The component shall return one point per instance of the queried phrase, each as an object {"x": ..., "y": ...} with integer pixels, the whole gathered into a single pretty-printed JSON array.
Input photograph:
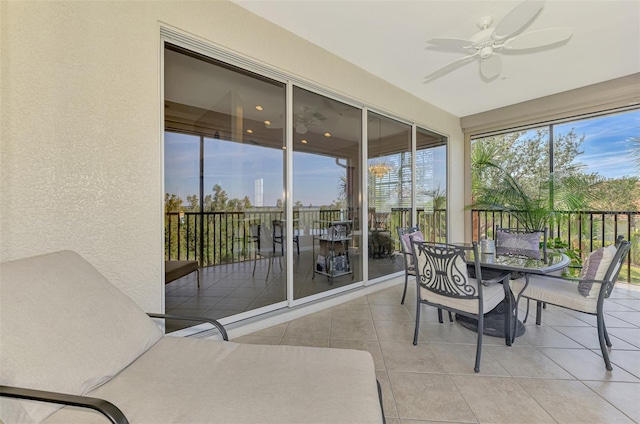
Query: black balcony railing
[
  {"x": 585, "y": 231},
  {"x": 214, "y": 238}
]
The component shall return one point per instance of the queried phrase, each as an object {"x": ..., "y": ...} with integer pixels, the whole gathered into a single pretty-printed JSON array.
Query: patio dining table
[{"x": 519, "y": 262}]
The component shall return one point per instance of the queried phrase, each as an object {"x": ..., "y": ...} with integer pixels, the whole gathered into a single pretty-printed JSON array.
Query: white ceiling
[{"x": 388, "y": 39}]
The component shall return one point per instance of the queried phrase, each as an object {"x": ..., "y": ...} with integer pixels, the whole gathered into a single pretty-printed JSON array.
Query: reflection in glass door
[
  {"x": 389, "y": 189},
  {"x": 224, "y": 179},
  {"x": 326, "y": 193},
  {"x": 431, "y": 184}
]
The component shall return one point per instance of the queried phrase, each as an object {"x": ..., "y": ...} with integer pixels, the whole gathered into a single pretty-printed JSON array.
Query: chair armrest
[
  {"x": 215, "y": 323},
  {"x": 570, "y": 279},
  {"x": 496, "y": 278},
  {"x": 106, "y": 408}
]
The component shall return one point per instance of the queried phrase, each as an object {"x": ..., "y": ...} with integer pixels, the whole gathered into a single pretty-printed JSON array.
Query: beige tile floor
[{"x": 554, "y": 373}]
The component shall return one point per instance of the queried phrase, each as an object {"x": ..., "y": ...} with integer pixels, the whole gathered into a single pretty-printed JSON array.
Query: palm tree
[{"x": 534, "y": 207}]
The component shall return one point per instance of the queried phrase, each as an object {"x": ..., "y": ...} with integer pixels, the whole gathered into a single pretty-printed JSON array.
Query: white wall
[{"x": 80, "y": 152}]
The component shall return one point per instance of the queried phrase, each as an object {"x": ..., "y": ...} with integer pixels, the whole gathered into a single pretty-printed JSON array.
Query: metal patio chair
[
  {"x": 585, "y": 294},
  {"x": 409, "y": 268},
  {"x": 444, "y": 282}
]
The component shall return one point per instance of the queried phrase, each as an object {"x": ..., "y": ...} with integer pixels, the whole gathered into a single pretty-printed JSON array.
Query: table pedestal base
[{"x": 493, "y": 322}]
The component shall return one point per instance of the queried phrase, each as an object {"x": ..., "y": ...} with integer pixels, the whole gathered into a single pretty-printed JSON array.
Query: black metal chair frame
[
  {"x": 278, "y": 236},
  {"x": 408, "y": 270},
  {"x": 407, "y": 256},
  {"x": 606, "y": 286},
  {"x": 441, "y": 259},
  {"x": 255, "y": 236}
]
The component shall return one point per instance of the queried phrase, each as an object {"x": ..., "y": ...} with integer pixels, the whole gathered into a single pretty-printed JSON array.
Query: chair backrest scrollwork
[{"x": 441, "y": 269}]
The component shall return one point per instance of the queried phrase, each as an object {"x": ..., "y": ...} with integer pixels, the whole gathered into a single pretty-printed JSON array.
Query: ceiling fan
[{"x": 505, "y": 36}]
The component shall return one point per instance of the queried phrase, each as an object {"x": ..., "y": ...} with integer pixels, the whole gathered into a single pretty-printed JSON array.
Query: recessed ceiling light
[
  {"x": 303, "y": 141},
  {"x": 259, "y": 107},
  {"x": 267, "y": 123},
  {"x": 327, "y": 134},
  {"x": 250, "y": 131}
]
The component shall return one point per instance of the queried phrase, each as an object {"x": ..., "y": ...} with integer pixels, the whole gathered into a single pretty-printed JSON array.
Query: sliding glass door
[
  {"x": 224, "y": 176},
  {"x": 431, "y": 184},
  {"x": 389, "y": 178},
  {"x": 327, "y": 193}
]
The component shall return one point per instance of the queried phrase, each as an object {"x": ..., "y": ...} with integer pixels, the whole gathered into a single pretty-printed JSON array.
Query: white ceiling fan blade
[
  {"x": 451, "y": 43},
  {"x": 517, "y": 18},
  {"x": 491, "y": 67},
  {"x": 540, "y": 38},
  {"x": 448, "y": 68}
]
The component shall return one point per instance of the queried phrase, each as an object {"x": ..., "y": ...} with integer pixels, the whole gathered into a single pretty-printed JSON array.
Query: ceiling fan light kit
[{"x": 505, "y": 36}]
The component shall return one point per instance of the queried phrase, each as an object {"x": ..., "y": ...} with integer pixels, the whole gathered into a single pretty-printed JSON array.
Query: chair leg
[
  {"x": 479, "y": 345},
  {"x": 524, "y": 321},
  {"x": 538, "y": 313},
  {"x": 606, "y": 334},
  {"x": 269, "y": 268},
  {"x": 255, "y": 260},
  {"x": 415, "y": 333},
  {"x": 440, "y": 315},
  {"x": 601, "y": 338},
  {"x": 198, "y": 276},
  {"x": 507, "y": 317},
  {"x": 514, "y": 327},
  {"x": 404, "y": 293},
  {"x": 450, "y": 317}
]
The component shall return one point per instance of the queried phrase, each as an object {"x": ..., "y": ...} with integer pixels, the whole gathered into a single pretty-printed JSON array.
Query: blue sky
[{"x": 606, "y": 146}]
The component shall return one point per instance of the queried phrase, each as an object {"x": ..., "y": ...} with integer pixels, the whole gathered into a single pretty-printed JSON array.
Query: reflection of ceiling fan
[
  {"x": 504, "y": 37},
  {"x": 301, "y": 121}
]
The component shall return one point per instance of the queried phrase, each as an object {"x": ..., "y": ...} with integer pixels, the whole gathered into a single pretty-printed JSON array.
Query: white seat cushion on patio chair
[
  {"x": 491, "y": 296},
  {"x": 555, "y": 291}
]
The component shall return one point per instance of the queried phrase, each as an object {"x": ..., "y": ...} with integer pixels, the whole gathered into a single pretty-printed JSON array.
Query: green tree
[
  {"x": 525, "y": 156},
  {"x": 500, "y": 184},
  {"x": 193, "y": 203},
  {"x": 220, "y": 199},
  {"x": 172, "y": 203},
  {"x": 618, "y": 195},
  {"x": 247, "y": 202}
]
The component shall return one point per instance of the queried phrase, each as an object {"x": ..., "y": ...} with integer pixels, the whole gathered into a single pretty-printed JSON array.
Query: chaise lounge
[{"x": 67, "y": 330}]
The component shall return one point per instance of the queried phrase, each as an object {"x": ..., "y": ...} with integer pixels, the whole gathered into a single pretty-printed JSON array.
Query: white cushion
[
  {"x": 186, "y": 380},
  {"x": 64, "y": 328},
  {"x": 595, "y": 268},
  {"x": 491, "y": 296},
  {"x": 555, "y": 291}
]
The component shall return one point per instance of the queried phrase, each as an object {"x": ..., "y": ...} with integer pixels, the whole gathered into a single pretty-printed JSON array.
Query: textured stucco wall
[{"x": 80, "y": 115}]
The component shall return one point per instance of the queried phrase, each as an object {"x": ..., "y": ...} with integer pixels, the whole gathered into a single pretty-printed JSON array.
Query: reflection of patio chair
[
  {"x": 277, "y": 235},
  {"x": 263, "y": 245},
  {"x": 444, "y": 282}
]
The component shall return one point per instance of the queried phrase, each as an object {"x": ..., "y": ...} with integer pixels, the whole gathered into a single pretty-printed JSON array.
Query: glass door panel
[
  {"x": 326, "y": 193},
  {"x": 226, "y": 183},
  {"x": 431, "y": 184},
  {"x": 389, "y": 191}
]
